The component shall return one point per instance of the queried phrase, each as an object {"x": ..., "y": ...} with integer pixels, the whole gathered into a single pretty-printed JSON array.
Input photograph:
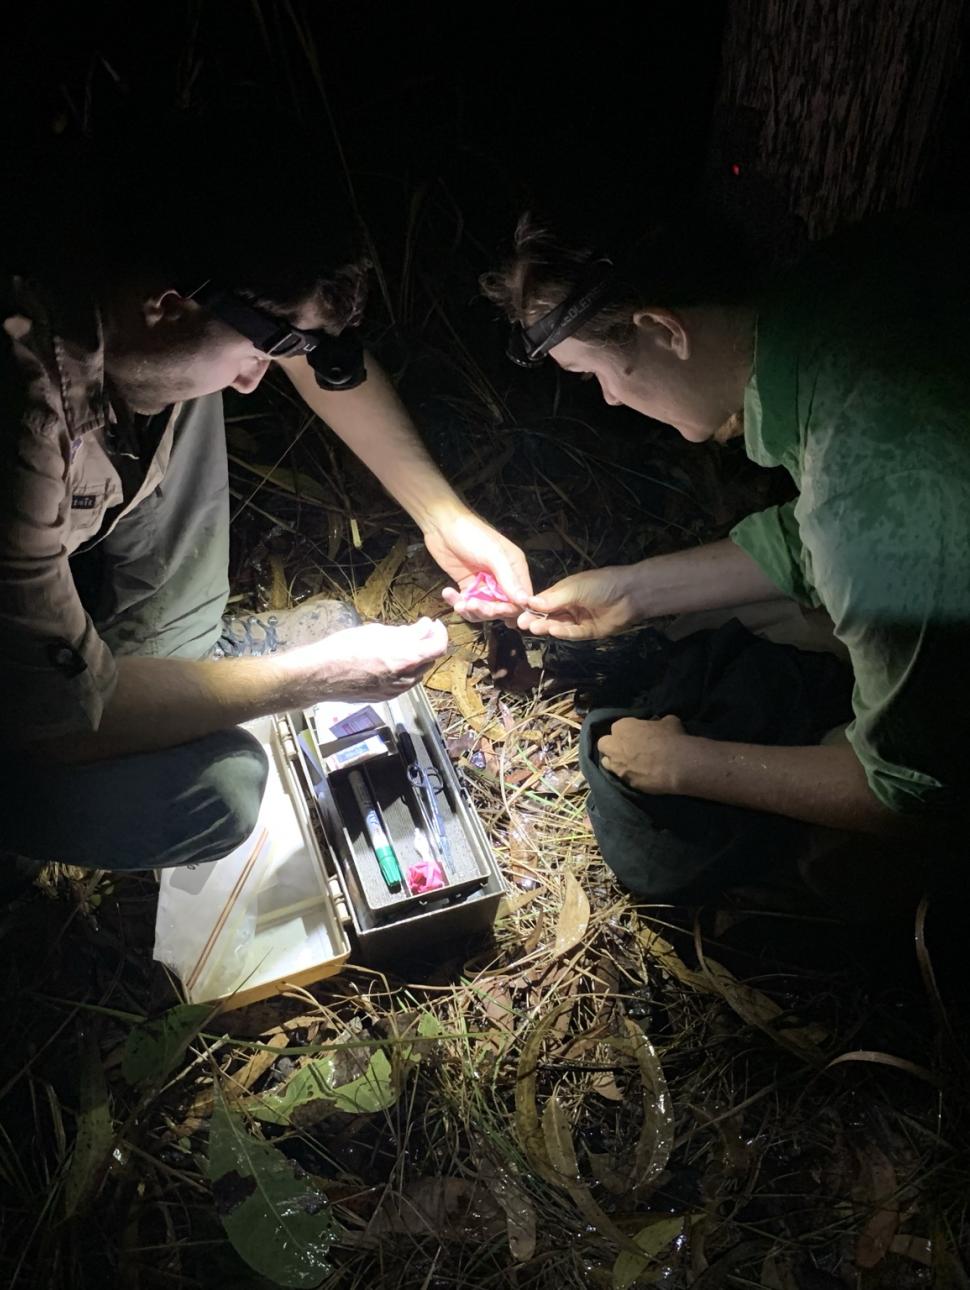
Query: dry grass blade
[
  {"x": 887, "y": 1059},
  {"x": 286, "y": 478}
]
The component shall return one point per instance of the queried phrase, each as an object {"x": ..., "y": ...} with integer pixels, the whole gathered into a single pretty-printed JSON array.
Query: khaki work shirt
[{"x": 69, "y": 471}]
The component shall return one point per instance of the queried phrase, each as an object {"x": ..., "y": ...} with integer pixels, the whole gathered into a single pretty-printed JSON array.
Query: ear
[
  {"x": 667, "y": 330},
  {"x": 166, "y": 307}
]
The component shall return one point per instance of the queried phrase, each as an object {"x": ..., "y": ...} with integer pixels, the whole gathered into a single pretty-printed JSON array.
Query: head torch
[
  {"x": 528, "y": 346},
  {"x": 337, "y": 361}
]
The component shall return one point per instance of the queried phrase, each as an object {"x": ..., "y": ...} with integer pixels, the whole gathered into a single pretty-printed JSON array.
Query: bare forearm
[
  {"x": 160, "y": 702},
  {"x": 374, "y": 423},
  {"x": 715, "y": 576},
  {"x": 600, "y": 602},
  {"x": 819, "y": 785}
]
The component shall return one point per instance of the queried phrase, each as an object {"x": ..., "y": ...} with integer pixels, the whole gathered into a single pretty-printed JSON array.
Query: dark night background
[
  {"x": 603, "y": 111},
  {"x": 478, "y": 111},
  {"x": 501, "y": 103},
  {"x": 577, "y": 109}
]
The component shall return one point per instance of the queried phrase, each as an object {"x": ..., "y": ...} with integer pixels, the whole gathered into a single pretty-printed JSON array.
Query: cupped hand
[{"x": 373, "y": 662}]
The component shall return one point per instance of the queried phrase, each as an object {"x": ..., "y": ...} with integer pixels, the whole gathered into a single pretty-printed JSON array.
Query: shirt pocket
[{"x": 87, "y": 501}]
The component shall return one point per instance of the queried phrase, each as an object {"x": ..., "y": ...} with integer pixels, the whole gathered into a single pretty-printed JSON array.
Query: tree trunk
[{"x": 830, "y": 109}]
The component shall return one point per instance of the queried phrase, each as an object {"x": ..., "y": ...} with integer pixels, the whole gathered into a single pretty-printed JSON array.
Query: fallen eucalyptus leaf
[
  {"x": 652, "y": 1240},
  {"x": 573, "y": 918}
]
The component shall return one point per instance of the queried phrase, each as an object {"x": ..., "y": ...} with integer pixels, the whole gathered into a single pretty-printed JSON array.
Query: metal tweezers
[{"x": 426, "y": 792}]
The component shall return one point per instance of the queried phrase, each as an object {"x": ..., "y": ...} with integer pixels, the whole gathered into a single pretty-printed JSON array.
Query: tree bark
[{"x": 831, "y": 109}]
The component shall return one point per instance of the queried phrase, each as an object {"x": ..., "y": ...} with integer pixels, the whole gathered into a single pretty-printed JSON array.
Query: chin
[
  {"x": 148, "y": 403},
  {"x": 695, "y": 434}
]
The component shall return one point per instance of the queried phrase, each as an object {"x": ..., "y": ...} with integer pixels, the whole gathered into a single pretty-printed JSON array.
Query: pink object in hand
[
  {"x": 425, "y": 876},
  {"x": 485, "y": 588}
]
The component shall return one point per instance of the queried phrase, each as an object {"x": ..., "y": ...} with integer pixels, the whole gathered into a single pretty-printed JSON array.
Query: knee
[{"x": 234, "y": 783}]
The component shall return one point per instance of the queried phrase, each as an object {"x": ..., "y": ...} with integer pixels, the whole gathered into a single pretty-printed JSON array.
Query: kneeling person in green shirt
[{"x": 852, "y": 372}]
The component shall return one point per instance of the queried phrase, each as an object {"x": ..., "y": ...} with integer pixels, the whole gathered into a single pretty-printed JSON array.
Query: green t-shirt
[{"x": 861, "y": 389}]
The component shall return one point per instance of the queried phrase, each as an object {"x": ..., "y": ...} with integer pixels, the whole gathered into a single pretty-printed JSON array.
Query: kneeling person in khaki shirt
[{"x": 203, "y": 258}]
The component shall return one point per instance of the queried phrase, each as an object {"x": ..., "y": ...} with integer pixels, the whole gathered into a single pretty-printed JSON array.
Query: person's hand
[
  {"x": 585, "y": 606},
  {"x": 370, "y": 663},
  {"x": 465, "y": 546},
  {"x": 650, "y": 756}
]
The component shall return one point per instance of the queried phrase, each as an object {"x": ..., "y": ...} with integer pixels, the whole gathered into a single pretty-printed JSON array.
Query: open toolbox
[{"x": 365, "y": 847}]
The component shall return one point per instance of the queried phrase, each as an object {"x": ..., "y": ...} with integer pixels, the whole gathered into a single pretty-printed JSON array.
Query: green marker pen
[{"x": 375, "y": 832}]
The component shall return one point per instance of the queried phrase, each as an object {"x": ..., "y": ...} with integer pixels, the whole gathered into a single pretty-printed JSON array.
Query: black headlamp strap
[
  {"x": 337, "y": 361},
  {"x": 586, "y": 299},
  {"x": 269, "y": 335}
]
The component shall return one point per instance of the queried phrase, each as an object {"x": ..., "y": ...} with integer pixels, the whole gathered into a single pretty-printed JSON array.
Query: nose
[{"x": 250, "y": 377}]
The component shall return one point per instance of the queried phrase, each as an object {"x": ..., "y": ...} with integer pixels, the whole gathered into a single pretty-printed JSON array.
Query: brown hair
[
  {"x": 238, "y": 199},
  {"x": 340, "y": 295},
  {"x": 243, "y": 200},
  {"x": 684, "y": 262}
]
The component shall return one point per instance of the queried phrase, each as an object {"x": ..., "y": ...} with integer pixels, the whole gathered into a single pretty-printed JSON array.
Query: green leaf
[
  {"x": 276, "y": 1218},
  {"x": 429, "y": 1027},
  {"x": 652, "y": 1240},
  {"x": 415, "y": 1040},
  {"x": 94, "y": 1136},
  {"x": 311, "y": 1082},
  {"x": 373, "y": 1091},
  {"x": 154, "y": 1047}
]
